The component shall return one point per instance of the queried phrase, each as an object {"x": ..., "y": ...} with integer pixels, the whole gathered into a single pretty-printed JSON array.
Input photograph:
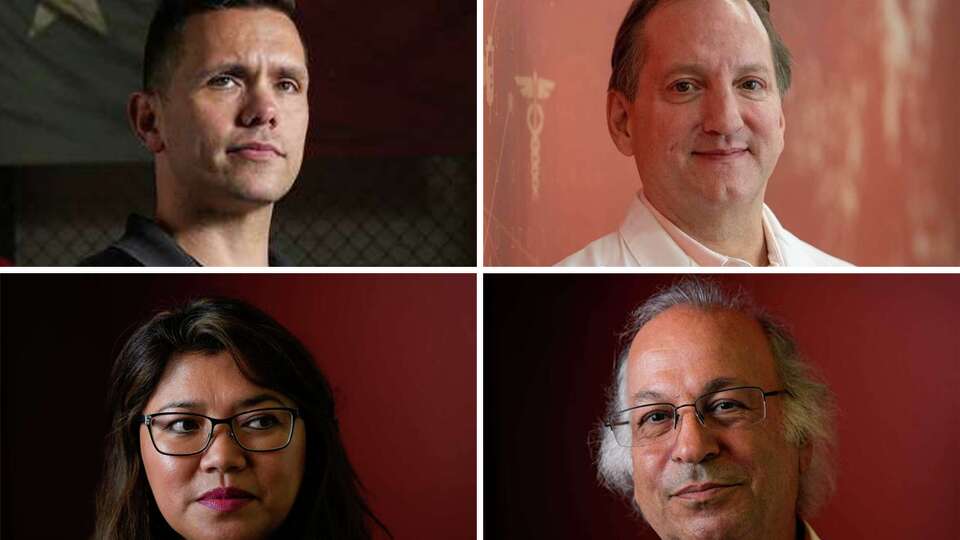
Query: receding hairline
[
  {"x": 716, "y": 383},
  {"x": 743, "y": 315},
  {"x": 636, "y": 56},
  {"x": 642, "y": 44}
]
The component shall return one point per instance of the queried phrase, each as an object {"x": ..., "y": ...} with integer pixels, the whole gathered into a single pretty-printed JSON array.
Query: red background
[
  {"x": 399, "y": 352},
  {"x": 391, "y": 78},
  {"x": 887, "y": 345},
  {"x": 869, "y": 171}
]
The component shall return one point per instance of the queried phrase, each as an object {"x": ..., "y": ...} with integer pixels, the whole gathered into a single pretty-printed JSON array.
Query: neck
[
  {"x": 728, "y": 229},
  {"x": 219, "y": 239}
]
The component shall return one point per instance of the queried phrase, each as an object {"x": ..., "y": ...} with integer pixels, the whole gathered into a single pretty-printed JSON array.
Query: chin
[
  {"x": 260, "y": 189},
  {"x": 730, "y": 187},
  {"x": 704, "y": 527},
  {"x": 236, "y": 530}
]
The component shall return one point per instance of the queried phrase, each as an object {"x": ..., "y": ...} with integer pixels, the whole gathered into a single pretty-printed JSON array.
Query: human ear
[
  {"x": 618, "y": 121},
  {"x": 143, "y": 118}
]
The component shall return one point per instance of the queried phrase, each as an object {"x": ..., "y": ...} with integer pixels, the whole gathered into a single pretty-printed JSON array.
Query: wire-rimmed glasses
[
  {"x": 731, "y": 407},
  {"x": 185, "y": 434}
]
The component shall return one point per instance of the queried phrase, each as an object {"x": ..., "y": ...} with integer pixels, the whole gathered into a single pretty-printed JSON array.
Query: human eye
[
  {"x": 178, "y": 424},
  {"x": 725, "y": 406},
  {"x": 289, "y": 86},
  {"x": 753, "y": 85},
  {"x": 222, "y": 81},
  {"x": 261, "y": 421},
  {"x": 682, "y": 87},
  {"x": 655, "y": 417}
]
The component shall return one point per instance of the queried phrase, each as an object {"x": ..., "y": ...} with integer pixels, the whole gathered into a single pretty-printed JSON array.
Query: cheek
[
  {"x": 297, "y": 122},
  {"x": 645, "y": 475},
  {"x": 213, "y": 123},
  {"x": 666, "y": 129},
  {"x": 169, "y": 477},
  {"x": 768, "y": 458},
  {"x": 201, "y": 127},
  {"x": 766, "y": 122},
  {"x": 282, "y": 473},
  {"x": 281, "y": 478}
]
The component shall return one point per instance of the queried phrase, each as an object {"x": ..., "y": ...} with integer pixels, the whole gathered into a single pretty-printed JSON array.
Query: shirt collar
[
  {"x": 809, "y": 533},
  {"x": 704, "y": 256},
  {"x": 150, "y": 244}
]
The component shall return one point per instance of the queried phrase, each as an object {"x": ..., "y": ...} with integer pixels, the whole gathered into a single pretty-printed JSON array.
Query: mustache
[{"x": 678, "y": 476}]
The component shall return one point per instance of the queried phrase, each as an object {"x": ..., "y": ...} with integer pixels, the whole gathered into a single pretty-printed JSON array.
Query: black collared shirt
[{"x": 144, "y": 243}]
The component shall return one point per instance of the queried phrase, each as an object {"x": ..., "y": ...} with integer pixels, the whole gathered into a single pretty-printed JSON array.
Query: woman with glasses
[{"x": 223, "y": 427}]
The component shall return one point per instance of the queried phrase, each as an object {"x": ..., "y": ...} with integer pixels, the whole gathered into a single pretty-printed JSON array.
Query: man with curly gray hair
[{"x": 750, "y": 458}]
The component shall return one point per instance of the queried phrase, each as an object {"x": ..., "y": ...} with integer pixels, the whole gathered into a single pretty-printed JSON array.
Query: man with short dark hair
[
  {"x": 715, "y": 426},
  {"x": 696, "y": 99},
  {"x": 224, "y": 111}
]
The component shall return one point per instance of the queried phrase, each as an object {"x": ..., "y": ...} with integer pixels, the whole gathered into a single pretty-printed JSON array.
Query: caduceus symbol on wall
[{"x": 536, "y": 90}]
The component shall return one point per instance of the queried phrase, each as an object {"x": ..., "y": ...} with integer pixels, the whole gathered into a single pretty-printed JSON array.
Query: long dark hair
[{"x": 330, "y": 502}]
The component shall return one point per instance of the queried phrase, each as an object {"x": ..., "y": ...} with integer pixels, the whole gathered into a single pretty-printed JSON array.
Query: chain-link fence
[{"x": 407, "y": 211}]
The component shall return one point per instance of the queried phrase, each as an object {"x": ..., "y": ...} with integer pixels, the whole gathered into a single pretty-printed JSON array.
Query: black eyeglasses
[
  {"x": 731, "y": 407},
  {"x": 185, "y": 434}
]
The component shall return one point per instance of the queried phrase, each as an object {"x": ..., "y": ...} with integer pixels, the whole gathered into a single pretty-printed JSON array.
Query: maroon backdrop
[
  {"x": 391, "y": 78},
  {"x": 399, "y": 352},
  {"x": 886, "y": 344}
]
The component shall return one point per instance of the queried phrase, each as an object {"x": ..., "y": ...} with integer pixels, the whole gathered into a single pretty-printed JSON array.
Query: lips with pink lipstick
[
  {"x": 225, "y": 499},
  {"x": 256, "y": 151}
]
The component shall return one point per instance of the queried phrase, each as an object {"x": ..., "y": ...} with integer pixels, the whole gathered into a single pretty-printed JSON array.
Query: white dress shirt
[{"x": 647, "y": 238}]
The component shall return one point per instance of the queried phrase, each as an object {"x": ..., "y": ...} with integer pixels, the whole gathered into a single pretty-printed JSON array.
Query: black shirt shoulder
[{"x": 111, "y": 256}]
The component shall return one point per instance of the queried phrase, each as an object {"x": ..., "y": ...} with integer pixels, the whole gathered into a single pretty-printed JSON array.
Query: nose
[
  {"x": 721, "y": 112},
  {"x": 695, "y": 443},
  {"x": 224, "y": 454},
  {"x": 259, "y": 107}
]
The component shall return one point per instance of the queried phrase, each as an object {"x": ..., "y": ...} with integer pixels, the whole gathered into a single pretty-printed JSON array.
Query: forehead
[
  {"x": 214, "y": 379},
  {"x": 711, "y": 33},
  {"x": 681, "y": 351},
  {"x": 242, "y": 35}
]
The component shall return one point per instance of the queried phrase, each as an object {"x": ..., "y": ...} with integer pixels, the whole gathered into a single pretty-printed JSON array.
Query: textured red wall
[
  {"x": 399, "y": 352},
  {"x": 887, "y": 345},
  {"x": 870, "y": 169}
]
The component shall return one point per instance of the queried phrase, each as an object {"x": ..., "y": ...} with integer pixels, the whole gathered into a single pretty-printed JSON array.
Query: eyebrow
[
  {"x": 700, "y": 71},
  {"x": 248, "y": 402},
  {"x": 283, "y": 70},
  {"x": 642, "y": 397}
]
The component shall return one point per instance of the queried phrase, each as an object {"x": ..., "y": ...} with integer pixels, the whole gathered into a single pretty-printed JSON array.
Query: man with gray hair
[
  {"x": 750, "y": 458},
  {"x": 696, "y": 99}
]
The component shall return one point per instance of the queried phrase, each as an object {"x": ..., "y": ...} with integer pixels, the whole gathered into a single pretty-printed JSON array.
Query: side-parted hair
[
  {"x": 330, "y": 502},
  {"x": 809, "y": 407},
  {"x": 628, "y": 48},
  {"x": 165, "y": 37}
]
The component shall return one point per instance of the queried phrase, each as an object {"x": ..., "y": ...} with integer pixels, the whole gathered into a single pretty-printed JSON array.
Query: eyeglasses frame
[
  {"x": 609, "y": 423},
  {"x": 147, "y": 420}
]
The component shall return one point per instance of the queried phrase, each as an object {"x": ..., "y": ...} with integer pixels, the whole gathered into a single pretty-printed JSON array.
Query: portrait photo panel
[
  {"x": 885, "y": 345},
  {"x": 867, "y": 171},
  {"x": 367, "y": 153},
  {"x": 397, "y": 352}
]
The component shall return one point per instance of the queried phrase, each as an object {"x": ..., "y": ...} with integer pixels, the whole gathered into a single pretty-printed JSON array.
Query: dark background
[
  {"x": 887, "y": 345},
  {"x": 399, "y": 351}
]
